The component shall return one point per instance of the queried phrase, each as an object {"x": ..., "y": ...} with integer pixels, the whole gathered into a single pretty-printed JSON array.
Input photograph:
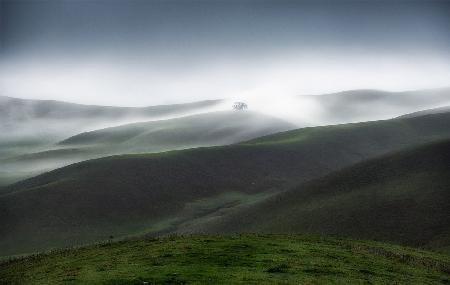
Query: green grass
[
  {"x": 402, "y": 197},
  {"x": 244, "y": 259},
  {"x": 131, "y": 194},
  {"x": 207, "y": 129},
  {"x": 31, "y": 128}
]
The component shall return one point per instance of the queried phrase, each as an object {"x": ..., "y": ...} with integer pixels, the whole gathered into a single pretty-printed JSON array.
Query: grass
[
  {"x": 126, "y": 195},
  {"x": 239, "y": 259},
  {"x": 401, "y": 197},
  {"x": 208, "y": 129},
  {"x": 30, "y": 129}
]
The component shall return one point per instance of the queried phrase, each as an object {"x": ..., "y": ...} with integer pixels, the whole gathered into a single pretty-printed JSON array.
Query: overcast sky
[{"x": 152, "y": 52}]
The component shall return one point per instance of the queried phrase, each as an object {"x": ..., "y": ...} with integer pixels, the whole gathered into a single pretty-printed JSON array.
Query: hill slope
[
  {"x": 208, "y": 129},
  {"x": 217, "y": 128},
  {"x": 33, "y": 124},
  {"x": 30, "y": 128},
  {"x": 365, "y": 105},
  {"x": 402, "y": 197},
  {"x": 155, "y": 193},
  {"x": 14, "y": 110},
  {"x": 232, "y": 260},
  {"x": 444, "y": 109}
]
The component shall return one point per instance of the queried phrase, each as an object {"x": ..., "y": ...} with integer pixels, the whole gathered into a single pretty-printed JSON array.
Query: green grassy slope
[
  {"x": 34, "y": 126},
  {"x": 208, "y": 129},
  {"x": 247, "y": 259},
  {"x": 156, "y": 193},
  {"x": 402, "y": 197},
  {"x": 216, "y": 128}
]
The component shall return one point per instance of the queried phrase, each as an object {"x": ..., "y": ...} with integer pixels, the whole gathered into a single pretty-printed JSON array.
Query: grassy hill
[
  {"x": 216, "y": 128},
  {"x": 208, "y": 129},
  {"x": 402, "y": 197},
  {"x": 19, "y": 110},
  {"x": 159, "y": 193},
  {"x": 31, "y": 128},
  {"x": 444, "y": 109},
  {"x": 43, "y": 121},
  {"x": 365, "y": 105},
  {"x": 245, "y": 259},
  {"x": 32, "y": 125}
]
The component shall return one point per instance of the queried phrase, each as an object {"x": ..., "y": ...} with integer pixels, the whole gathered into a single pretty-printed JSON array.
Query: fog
[
  {"x": 269, "y": 85},
  {"x": 140, "y": 53},
  {"x": 130, "y": 83},
  {"x": 291, "y": 61}
]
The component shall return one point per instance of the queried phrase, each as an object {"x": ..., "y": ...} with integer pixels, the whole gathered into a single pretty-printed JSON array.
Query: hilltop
[
  {"x": 366, "y": 105},
  {"x": 244, "y": 259}
]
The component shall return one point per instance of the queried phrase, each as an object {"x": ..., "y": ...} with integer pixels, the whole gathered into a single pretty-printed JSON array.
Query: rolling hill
[
  {"x": 32, "y": 128},
  {"x": 14, "y": 110},
  {"x": 402, "y": 197},
  {"x": 32, "y": 125},
  {"x": 33, "y": 122},
  {"x": 439, "y": 110},
  {"x": 365, "y": 105},
  {"x": 208, "y": 129},
  {"x": 243, "y": 259},
  {"x": 159, "y": 193}
]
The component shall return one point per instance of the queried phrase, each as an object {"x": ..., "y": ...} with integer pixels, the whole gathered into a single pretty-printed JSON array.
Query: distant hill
[
  {"x": 33, "y": 124},
  {"x": 402, "y": 197},
  {"x": 445, "y": 109},
  {"x": 208, "y": 129},
  {"x": 216, "y": 128},
  {"x": 31, "y": 128},
  {"x": 368, "y": 105},
  {"x": 21, "y": 118},
  {"x": 21, "y": 110},
  {"x": 159, "y": 193},
  {"x": 238, "y": 259}
]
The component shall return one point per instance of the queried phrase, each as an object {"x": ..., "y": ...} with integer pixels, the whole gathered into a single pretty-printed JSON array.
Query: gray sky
[{"x": 153, "y": 52}]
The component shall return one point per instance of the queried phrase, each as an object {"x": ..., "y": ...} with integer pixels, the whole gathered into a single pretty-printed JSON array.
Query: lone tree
[{"x": 239, "y": 106}]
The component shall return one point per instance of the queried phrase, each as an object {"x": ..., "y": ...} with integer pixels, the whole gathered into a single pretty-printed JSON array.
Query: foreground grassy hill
[
  {"x": 158, "y": 193},
  {"x": 245, "y": 259},
  {"x": 402, "y": 197},
  {"x": 208, "y": 129}
]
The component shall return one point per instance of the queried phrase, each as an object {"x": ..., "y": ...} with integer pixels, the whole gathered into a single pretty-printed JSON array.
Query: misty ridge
[{"x": 42, "y": 135}]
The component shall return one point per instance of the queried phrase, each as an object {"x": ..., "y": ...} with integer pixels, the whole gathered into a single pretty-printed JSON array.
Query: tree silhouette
[{"x": 239, "y": 106}]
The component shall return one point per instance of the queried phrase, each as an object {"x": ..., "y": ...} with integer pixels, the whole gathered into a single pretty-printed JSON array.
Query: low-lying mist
[{"x": 39, "y": 136}]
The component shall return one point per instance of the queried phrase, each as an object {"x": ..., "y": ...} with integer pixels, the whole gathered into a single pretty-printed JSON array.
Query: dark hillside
[
  {"x": 402, "y": 197},
  {"x": 207, "y": 129},
  {"x": 156, "y": 193}
]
